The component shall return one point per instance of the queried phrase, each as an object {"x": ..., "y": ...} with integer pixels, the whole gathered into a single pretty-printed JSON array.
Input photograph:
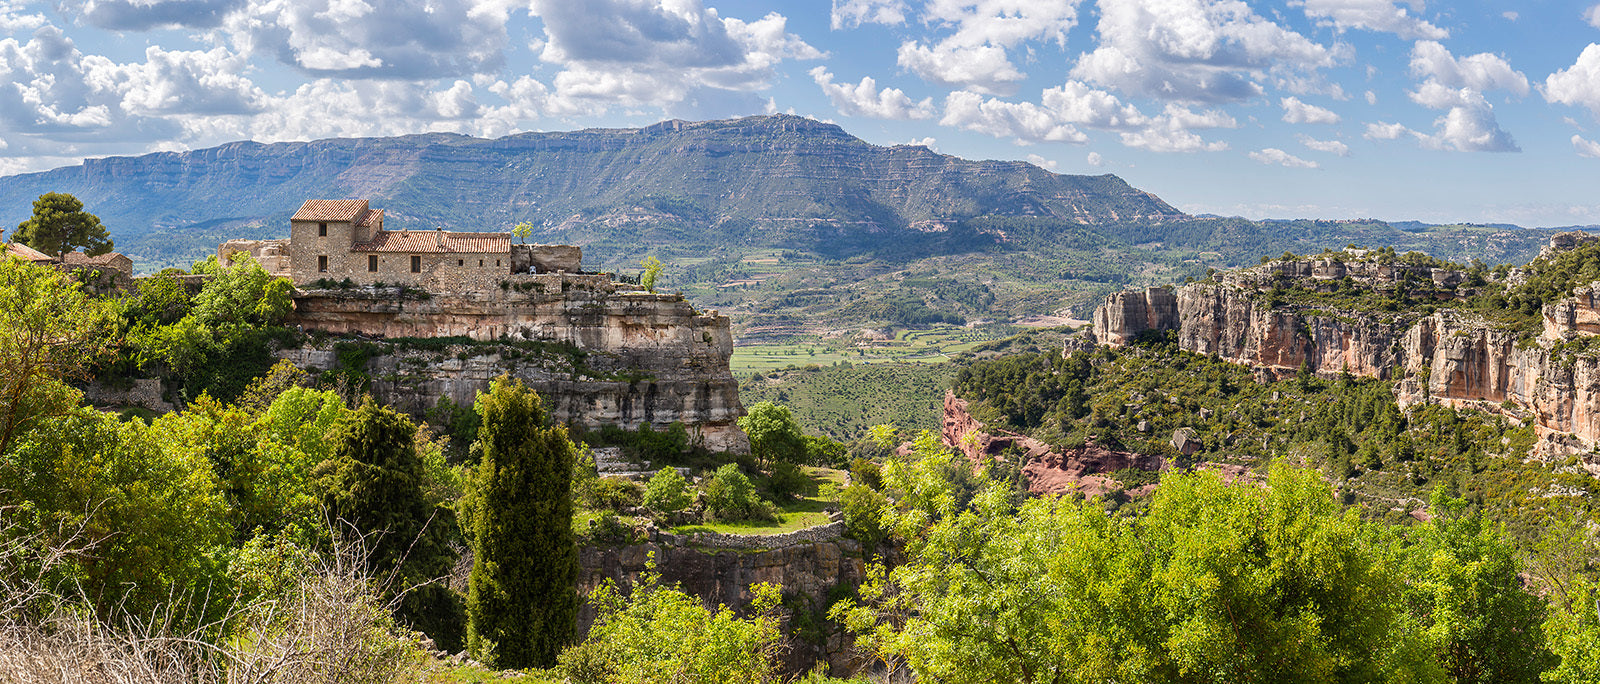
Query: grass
[
  {"x": 793, "y": 515},
  {"x": 441, "y": 673},
  {"x": 843, "y": 401},
  {"x": 935, "y": 345}
]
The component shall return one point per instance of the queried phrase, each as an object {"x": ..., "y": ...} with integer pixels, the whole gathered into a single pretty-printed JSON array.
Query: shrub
[
  {"x": 731, "y": 497},
  {"x": 787, "y": 481},
  {"x": 866, "y": 473},
  {"x": 615, "y": 494},
  {"x": 863, "y": 515},
  {"x": 667, "y": 492}
]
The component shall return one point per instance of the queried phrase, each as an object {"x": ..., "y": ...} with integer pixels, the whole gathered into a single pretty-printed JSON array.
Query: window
[
  {"x": 322, "y": 264},
  {"x": 480, "y": 263},
  {"x": 461, "y": 262},
  {"x": 322, "y": 230},
  {"x": 372, "y": 263},
  {"x": 497, "y": 263},
  {"x": 416, "y": 264}
]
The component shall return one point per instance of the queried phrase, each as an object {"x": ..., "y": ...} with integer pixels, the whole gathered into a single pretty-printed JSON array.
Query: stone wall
[{"x": 145, "y": 392}]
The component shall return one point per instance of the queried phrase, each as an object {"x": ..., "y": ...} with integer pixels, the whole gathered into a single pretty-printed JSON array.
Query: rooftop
[
  {"x": 436, "y": 241},
  {"x": 22, "y": 251},
  {"x": 344, "y": 210}
]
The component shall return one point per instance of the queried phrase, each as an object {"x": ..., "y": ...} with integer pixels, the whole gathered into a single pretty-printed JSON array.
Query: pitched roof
[
  {"x": 435, "y": 242},
  {"x": 25, "y": 252},
  {"x": 373, "y": 217},
  {"x": 347, "y": 210}
]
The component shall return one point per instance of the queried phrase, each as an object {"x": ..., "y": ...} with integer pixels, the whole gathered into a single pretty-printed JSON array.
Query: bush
[
  {"x": 866, "y": 473},
  {"x": 863, "y": 515},
  {"x": 731, "y": 497},
  {"x": 787, "y": 481},
  {"x": 667, "y": 492},
  {"x": 615, "y": 494}
]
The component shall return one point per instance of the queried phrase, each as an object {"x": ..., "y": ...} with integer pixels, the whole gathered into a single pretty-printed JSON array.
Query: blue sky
[{"x": 1478, "y": 110}]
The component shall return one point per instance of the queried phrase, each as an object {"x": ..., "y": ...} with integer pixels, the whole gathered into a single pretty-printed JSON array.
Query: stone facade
[{"x": 342, "y": 240}]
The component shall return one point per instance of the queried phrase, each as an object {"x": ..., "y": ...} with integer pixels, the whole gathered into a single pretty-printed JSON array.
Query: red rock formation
[{"x": 1047, "y": 471}]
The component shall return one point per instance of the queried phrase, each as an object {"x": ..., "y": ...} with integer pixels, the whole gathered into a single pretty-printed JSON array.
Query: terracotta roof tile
[
  {"x": 373, "y": 217},
  {"x": 331, "y": 210},
  {"x": 22, "y": 251},
  {"x": 435, "y": 241}
]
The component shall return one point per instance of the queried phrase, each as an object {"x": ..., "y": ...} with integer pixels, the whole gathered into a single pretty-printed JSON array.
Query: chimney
[{"x": 439, "y": 237}]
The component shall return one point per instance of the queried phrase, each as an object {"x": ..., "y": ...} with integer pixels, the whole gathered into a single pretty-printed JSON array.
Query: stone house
[{"x": 346, "y": 239}]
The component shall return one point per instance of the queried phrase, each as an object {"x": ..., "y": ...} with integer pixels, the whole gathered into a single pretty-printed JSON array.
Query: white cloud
[
  {"x": 1578, "y": 84},
  {"x": 1372, "y": 98},
  {"x": 1041, "y": 162},
  {"x": 1328, "y": 146},
  {"x": 1275, "y": 156},
  {"x": 1094, "y": 159},
  {"x": 864, "y": 99},
  {"x": 12, "y": 20},
  {"x": 928, "y": 142},
  {"x": 1510, "y": 15},
  {"x": 1585, "y": 147},
  {"x": 974, "y": 55},
  {"x": 1193, "y": 50},
  {"x": 1076, "y": 102},
  {"x": 404, "y": 39},
  {"x": 1385, "y": 131},
  {"x": 1372, "y": 15},
  {"x": 1592, "y": 15},
  {"x": 674, "y": 54},
  {"x": 141, "y": 15},
  {"x": 1458, "y": 86},
  {"x": 1297, "y": 112},
  {"x": 1024, "y": 121},
  {"x": 853, "y": 13},
  {"x": 184, "y": 82},
  {"x": 1170, "y": 132}
]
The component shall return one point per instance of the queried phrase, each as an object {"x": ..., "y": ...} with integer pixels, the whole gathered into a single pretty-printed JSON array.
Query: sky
[{"x": 1481, "y": 111}]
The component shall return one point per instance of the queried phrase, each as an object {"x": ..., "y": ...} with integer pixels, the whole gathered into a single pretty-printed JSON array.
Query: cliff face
[
  {"x": 1446, "y": 357},
  {"x": 598, "y": 355}
]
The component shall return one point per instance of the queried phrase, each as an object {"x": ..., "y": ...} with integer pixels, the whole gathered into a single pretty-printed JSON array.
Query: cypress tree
[
  {"x": 522, "y": 600},
  {"x": 373, "y": 482}
]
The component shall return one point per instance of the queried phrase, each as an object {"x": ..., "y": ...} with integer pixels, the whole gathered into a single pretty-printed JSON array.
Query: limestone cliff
[
  {"x": 599, "y": 354},
  {"x": 1435, "y": 353}
]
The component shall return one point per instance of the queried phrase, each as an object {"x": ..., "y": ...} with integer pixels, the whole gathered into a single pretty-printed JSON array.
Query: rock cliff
[
  {"x": 1433, "y": 352},
  {"x": 1088, "y": 469},
  {"x": 597, "y": 353}
]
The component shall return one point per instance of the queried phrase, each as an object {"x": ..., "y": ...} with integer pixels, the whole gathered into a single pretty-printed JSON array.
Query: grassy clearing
[
  {"x": 795, "y": 514},
  {"x": 842, "y": 402}
]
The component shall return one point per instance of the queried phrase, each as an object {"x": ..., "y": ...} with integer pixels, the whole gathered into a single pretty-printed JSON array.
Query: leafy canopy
[{"x": 59, "y": 224}]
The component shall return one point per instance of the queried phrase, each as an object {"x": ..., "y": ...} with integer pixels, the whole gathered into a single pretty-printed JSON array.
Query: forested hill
[{"x": 766, "y": 179}]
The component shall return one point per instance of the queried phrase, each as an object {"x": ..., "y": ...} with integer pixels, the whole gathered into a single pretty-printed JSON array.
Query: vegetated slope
[
  {"x": 843, "y": 401},
  {"x": 710, "y": 181}
]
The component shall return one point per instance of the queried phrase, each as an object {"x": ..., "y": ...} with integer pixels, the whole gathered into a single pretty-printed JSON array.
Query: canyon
[{"x": 1434, "y": 350}]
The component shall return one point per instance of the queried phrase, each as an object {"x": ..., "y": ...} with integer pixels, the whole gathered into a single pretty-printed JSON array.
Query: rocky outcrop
[
  {"x": 598, "y": 354},
  {"x": 1446, "y": 357},
  {"x": 1086, "y": 469}
]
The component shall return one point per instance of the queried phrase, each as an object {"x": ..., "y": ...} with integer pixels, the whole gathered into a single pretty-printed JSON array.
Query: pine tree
[
  {"x": 373, "y": 482},
  {"x": 522, "y": 598}
]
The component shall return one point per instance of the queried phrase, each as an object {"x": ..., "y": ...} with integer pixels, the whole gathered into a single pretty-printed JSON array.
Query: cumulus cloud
[
  {"x": 141, "y": 15},
  {"x": 405, "y": 39},
  {"x": 1193, "y": 50},
  {"x": 1385, "y": 131},
  {"x": 1373, "y": 15},
  {"x": 1297, "y": 112},
  {"x": 1457, "y": 85},
  {"x": 1275, "y": 156},
  {"x": 864, "y": 98},
  {"x": 1024, "y": 121},
  {"x": 1094, "y": 159},
  {"x": 1041, "y": 162},
  {"x": 12, "y": 18},
  {"x": 1578, "y": 84},
  {"x": 631, "y": 53},
  {"x": 853, "y": 13},
  {"x": 1171, "y": 131},
  {"x": 1585, "y": 147},
  {"x": 1510, "y": 15},
  {"x": 1592, "y": 15},
  {"x": 974, "y": 54},
  {"x": 183, "y": 82},
  {"x": 1054, "y": 119},
  {"x": 1328, "y": 146}
]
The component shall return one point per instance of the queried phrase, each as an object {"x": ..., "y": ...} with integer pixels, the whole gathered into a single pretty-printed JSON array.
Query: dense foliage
[
  {"x": 59, "y": 224},
  {"x": 522, "y": 598}
]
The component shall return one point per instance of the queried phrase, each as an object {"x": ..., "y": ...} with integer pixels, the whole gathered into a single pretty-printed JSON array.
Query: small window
[
  {"x": 322, "y": 264},
  {"x": 461, "y": 262},
  {"x": 372, "y": 262},
  {"x": 416, "y": 264},
  {"x": 322, "y": 230},
  {"x": 480, "y": 263},
  {"x": 497, "y": 263}
]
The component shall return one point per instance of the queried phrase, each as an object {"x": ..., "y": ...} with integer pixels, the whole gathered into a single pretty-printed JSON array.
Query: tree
[
  {"x": 50, "y": 331},
  {"x": 373, "y": 482},
  {"x": 660, "y": 634},
  {"x": 60, "y": 224},
  {"x": 652, "y": 271},
  {"x": 667, "y": 491},
  {"x": 774, "y": 434},
  {"x": 522, "y": 599},
  {"x": 523, "y": 230}
]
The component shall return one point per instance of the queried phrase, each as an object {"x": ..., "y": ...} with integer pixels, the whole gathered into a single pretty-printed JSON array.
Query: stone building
[{"x": 344, "y": 239}]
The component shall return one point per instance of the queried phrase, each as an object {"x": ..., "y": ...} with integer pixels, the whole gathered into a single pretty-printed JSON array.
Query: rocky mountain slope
[
  {"x": 719, "y": 178},
  {"x": 1426, "y": 327}
]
